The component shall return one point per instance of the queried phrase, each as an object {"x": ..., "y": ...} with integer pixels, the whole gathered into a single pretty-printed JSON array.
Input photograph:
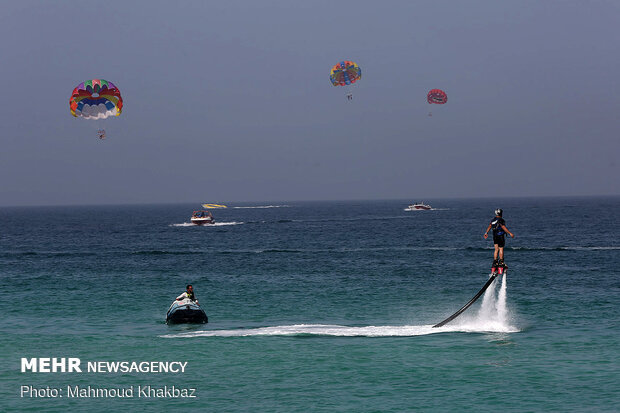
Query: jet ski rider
[
  {"x": 189, "y": 293},
  {"x": 499, "y": 230}
]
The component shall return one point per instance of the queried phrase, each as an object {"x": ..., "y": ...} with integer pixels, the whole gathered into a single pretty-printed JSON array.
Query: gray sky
[{"x": 231, "y": 100}]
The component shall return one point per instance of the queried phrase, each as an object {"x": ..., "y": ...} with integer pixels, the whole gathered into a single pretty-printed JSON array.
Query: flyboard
[{"x": 496, "y": 270}]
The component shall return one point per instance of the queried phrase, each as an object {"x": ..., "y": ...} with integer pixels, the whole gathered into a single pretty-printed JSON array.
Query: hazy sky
[{"x": 231, "y": 100}]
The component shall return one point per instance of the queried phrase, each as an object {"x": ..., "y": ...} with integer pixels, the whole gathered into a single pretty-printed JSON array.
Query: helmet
[{"x": 499, "y": 212}]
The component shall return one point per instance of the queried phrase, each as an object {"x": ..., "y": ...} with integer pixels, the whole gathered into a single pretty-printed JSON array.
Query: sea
[{"x": 315, "y": 306}]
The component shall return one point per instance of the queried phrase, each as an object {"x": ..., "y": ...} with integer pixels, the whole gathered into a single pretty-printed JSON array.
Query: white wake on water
[
  {"x": 432, "y": 209},
  {"x": 314, "y": 329},
  {"x": 492, "y": 317},
  {"x": 261, "y": 207}
]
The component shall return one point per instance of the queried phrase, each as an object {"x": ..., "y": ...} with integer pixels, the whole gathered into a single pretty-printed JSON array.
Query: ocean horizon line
[{"x": 300, "y": 201}]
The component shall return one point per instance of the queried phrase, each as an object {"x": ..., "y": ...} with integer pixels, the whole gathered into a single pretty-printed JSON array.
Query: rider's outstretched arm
[{"x": 486, "y": 233}]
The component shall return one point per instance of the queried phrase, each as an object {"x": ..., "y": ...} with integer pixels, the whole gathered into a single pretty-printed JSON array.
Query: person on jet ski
[
  {"x": 499, "y": 230},
  {"x": 189, "y": 293}
]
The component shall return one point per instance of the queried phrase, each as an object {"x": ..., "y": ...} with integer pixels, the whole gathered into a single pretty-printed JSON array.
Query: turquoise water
[{"x": 318, "y": 306}]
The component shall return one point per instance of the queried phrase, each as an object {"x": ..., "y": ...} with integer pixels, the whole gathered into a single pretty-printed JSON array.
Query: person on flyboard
[{"x": 499, "y": 231}]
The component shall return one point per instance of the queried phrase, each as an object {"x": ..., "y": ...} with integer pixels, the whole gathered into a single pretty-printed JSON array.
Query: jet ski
[{"x": 185, "y": 311}]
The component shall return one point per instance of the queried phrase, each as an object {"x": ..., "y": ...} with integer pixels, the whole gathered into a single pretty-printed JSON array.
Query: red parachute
[{"x": 437, "y": 96}]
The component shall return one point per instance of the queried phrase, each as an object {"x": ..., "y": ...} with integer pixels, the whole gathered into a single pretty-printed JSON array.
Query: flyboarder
[{"x": 499, "y": 230}]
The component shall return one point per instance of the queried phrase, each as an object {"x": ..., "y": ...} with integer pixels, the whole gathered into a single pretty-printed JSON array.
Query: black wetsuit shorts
[{"x": 499, "y": 240}]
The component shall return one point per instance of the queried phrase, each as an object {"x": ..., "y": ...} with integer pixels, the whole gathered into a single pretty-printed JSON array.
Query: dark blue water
[{"x": 319, "y": 306}]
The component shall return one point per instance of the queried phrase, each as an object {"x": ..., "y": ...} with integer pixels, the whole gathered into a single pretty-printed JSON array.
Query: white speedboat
[
  {"x": 202, "y": 218},
  {"x": 418, "y": 206}
]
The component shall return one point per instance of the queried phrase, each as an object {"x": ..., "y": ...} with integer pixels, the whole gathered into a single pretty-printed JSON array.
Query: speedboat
[
  {"x": 202, "y": 218},
  {"x": 186, "y": 311},
  {"x": 418, "y": 206}
]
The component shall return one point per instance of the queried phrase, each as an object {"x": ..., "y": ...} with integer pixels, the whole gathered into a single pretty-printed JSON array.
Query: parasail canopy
[
  {"x": 96, "y": 99},
  {"x": 345, "y": 73},
  {"x": 437, "y": 96}
]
